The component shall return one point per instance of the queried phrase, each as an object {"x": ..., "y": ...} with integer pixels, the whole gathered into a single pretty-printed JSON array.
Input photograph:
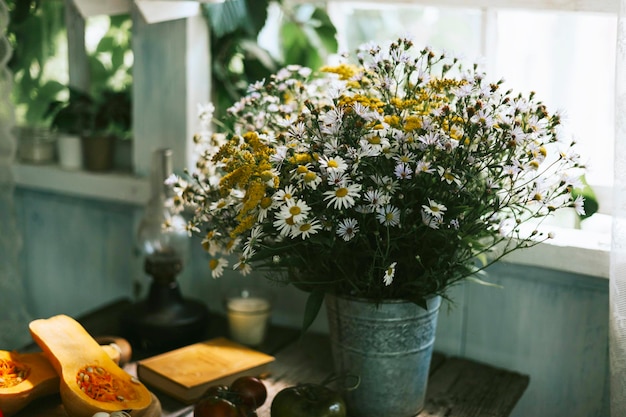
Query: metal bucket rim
[{"x": 435, "y": 298}]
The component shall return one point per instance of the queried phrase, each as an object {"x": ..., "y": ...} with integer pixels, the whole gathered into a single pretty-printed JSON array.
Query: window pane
[
  {"x": 453, "y": 29},
  {"x": 569, "y": 60}
]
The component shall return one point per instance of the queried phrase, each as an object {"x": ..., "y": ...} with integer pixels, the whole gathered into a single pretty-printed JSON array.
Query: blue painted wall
[{"x": 553, "y": 326}]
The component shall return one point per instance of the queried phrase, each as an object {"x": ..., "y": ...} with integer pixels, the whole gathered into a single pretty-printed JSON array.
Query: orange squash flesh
[
  {"x": 90, "y": 381},
  {"x": 38, "y": 379}
]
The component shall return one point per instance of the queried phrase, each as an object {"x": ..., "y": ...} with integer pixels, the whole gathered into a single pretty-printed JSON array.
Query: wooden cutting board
[{"x": 51, "y": 406}]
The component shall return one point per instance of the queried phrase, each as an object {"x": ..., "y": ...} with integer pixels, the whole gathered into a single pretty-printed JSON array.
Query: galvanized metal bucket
[{"x": 389, "y": 346}]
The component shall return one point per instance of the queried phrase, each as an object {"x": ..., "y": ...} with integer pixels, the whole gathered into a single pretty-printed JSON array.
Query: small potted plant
[
  {"x": 111, "y": 122},
  {"x": 70, "y": 119},
  {"x": 99, "y": 120}
]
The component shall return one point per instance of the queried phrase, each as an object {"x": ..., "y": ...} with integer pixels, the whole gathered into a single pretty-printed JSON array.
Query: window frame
[
  {"x": 584, "y": 252},
  {"x": 169, "y": 121},
  {"x": 573, "y": 250}
]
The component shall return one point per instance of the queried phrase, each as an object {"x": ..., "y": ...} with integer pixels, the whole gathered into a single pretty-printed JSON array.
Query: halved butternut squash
[
  {"x": 90, "y": 381},
  {"x": 25, "y": 377}
]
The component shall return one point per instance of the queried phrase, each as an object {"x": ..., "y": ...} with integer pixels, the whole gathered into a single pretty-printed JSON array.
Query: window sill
[
  {"x": 110, "y": 186},
  {"x": 585, "y": 252}
]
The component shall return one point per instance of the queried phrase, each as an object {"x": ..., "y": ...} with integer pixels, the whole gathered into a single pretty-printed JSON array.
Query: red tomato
[
  {"x": 215, "y": 407},
  {"x": 217, "y": 391},
  {"x": 252, "y": 392}
]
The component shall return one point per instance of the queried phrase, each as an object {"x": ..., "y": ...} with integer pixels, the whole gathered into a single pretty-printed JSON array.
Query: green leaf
[
  {"x": 99, "y": 75},
  {"x": 225, "y": 17},
  {"x": 591, "y": 203},
  {"x": 295, "y": 44},
  {"x": 117, "y": 57},
  {"x": 49, "y": 91},
  {"x": 257, "y": 15},
  {"x": 476, "y": 280},
  {"x": 254, "y": 54},
  {"x": 326, "y": 31},
  {"x": 106, "y": 44},
  {"x": 313, "y": 305}
]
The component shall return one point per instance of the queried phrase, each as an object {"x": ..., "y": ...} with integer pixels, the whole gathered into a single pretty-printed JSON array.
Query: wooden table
[{"x": 456, "y": 388}]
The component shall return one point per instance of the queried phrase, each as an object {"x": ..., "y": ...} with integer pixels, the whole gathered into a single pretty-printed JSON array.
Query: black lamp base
[{"x": 165, "y": 320}]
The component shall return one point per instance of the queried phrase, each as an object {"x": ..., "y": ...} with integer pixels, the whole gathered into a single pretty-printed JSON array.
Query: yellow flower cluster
[{"x": 248, "y": 168}]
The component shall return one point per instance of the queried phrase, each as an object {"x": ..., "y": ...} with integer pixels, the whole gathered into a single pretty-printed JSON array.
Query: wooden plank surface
[
  {"x": 460, "y": 387},
  {"x": 457, "y": 387}
]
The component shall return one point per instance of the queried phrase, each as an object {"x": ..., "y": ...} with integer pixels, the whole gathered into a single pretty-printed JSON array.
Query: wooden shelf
[{"x": 111, "y": 186}]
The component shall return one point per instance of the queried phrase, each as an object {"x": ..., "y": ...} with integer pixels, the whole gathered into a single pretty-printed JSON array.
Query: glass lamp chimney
[{"x": 161, "y": 231}]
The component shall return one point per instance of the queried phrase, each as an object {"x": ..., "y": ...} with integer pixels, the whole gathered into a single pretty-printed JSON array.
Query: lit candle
[{"x": 247, "y": 319}]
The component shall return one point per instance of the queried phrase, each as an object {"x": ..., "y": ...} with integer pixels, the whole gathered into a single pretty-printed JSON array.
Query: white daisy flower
[
  {"x": 376, "y": 198},
  {"x": 505, "y": 227},
  {"x": 297, "y": 131},
  {"x": 403, "y": 171},
  {"x": 579, "y": 205},
  {"x": 447, "y": 176},
  {"x": 279, "y": 155},
  {"x": 434, "y": 209},
  {"x": 210, "y": 243},
  {"x": 518, "y": 136},
  {"x": 388, "y": 184},
  {"x": 285, "y": 194},
  {"x": 255, "y": 237},
  {"x": 390, "y": 272},
  {"x": 511, "y": 170},
  {"x": 191, "y": 229},
  {"x": 284, "y": 225},
  {"x": 217, "y": 265},
  {"x": 298, "y": 210},
  {"x": 423, "y": 166},
  {"x": 333, "y": 164},
  {"x": 243, "y": 267},
  {"x": 483, "y": 118},
  {"x": 172, "y": 180},
  {"x": 331, "y": 146},
  {"x": 570, "y": 180},
  {"x": 331, "y": 122},
  {"x": 306, "y": 229},
  {"x": 311, "y": 180},
  {"x": 388, "y": 215},
  {"x": 336, "y": 178},
  {"x": 429, "y": 220},
  {"x": 429, "y": 139},
  {"x": 347, "y": 229},
  {"x": 266, "y": 205},
  {"x": 343, "y": 196},
  {"x": 205, "y": 112}
]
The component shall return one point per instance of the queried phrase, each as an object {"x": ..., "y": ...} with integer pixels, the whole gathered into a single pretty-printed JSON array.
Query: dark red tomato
[
  {"x": 217, "y": 391},
  {"x": 245, "y": 411},
  {"x": 215, "y": 407},
  {"x": 251, "y": 391}
]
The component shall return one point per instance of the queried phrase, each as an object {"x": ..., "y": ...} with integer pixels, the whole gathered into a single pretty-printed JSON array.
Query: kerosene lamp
[{"x": 165, "y": 319}]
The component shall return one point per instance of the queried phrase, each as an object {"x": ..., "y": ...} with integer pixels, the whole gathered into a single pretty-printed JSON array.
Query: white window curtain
[
  {"x": 617, "y": 285},
  {"x": 13, "y": 316}
]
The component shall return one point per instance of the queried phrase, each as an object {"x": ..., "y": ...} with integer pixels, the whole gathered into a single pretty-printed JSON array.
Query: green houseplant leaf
[
  {"x": 591, "y": 203},
  {"x": 312, "y": 308},
  {"x": 238, "y": 58}
]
